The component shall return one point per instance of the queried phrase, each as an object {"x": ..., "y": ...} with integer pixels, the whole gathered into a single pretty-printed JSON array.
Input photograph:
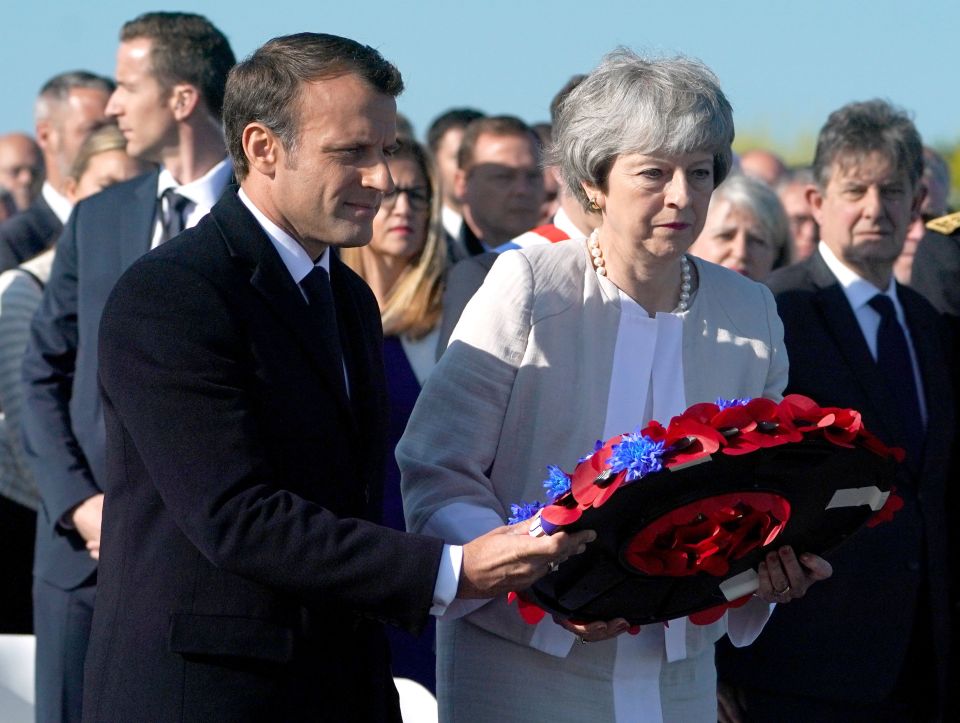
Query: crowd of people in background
[{"x": 477, "y": 188}]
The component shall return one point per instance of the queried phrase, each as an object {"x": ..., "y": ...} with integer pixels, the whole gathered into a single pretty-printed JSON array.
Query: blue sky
[{"x": 784, "y": 64}]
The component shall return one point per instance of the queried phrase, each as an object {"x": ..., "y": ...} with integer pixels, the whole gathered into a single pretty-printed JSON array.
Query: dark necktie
[
  {"x": 173, "y": 215},
  {"x": 316, "y": 285},
  {"x": 893, "y": 360}
]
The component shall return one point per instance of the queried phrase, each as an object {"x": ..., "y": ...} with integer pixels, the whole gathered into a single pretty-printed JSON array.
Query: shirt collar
[
  {"x": 203, "y": 191},
  {"x": 563, "y": 222},
  {"x": 57, "y": 202},
  {"x": 294, "y": 258},
  {"x": 858, "y": 290}
]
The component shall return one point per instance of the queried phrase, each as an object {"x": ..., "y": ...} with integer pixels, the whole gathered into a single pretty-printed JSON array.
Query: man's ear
[
  {"x": 262, "y": 148},
  {"x": 460, "y": 184},
  {"x": 918, "y": 198},
  {"x": 184, "y": 99},
  {"x": 815, "y": 199},
  {"x": 43, "y": 130}
]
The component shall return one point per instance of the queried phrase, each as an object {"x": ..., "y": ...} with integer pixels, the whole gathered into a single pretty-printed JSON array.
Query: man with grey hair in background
[
  {"x": 21, "y": 168},
  {"x": 873, "y": 644},
  {"x": 68, "y": 107}
]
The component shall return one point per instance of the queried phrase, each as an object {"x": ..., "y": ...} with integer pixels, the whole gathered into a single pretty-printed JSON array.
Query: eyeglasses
[{"x": 417, "y": 196}]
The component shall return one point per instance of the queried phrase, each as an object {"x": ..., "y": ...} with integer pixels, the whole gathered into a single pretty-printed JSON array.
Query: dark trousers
[
  {"x": 18, "y": 525},
  {"x": 62, "y": 625}
]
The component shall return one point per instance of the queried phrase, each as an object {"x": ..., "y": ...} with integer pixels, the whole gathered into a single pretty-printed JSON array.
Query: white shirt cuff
[{"x": 448, "y": 579}]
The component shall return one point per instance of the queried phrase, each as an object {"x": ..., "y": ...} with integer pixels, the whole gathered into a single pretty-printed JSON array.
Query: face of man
[
  {"x": 328, "y": 189},
  {"x": 142, "y": 106},
  {"x": 70, "y": 122},
  {"x": 864, "y": 213},
  {"x": 503, "y": 190},
  {"x": 21, "y": 168},
  {"x": 803, "y": 227},
  {"x": 446, "y": 158}
]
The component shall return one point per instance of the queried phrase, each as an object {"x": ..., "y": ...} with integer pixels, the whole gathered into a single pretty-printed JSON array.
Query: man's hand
[
  {"x": 87, "y": 518},
  {"x": 508, "y": 559}
]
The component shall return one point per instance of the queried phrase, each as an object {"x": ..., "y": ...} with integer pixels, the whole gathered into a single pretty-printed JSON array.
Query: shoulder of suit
[{"x": 946, "y": 225}]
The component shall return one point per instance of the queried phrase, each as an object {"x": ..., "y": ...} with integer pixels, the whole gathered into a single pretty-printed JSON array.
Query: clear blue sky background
[{"x": 785, "y": 64}]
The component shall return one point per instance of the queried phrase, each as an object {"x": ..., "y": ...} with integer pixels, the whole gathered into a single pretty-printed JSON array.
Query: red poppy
[
  {"x": 711, "y": 615},
  {"x": 891, "y": 507},
  {"x": 691, "y": 440},
  {"x": 530, "y": 612}
]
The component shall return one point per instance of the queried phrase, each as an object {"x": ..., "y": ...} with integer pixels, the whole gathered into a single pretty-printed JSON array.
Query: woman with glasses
[{"x": 404, "y": 264}]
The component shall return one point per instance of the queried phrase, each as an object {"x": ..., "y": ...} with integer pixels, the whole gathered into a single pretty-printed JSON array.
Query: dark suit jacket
[
  {"x": 936, "y": 271},
  {"x": 62, "y": 417},
  {"x": 240, "y": 574},
  {"x": 846, "y": 639},
  {"x": 26, "y": 234}
]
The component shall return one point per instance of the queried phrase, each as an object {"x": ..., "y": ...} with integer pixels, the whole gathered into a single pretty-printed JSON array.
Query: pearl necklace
[{"x": 685, "y": 285}]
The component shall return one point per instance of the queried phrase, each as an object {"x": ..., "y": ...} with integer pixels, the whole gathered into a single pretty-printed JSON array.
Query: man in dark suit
[
  {"x": 872, "y": 644},
  {"x": 172, "y": 69},
  {"x": 69, "y": 106},
  {"x": 242, "y": 576}
]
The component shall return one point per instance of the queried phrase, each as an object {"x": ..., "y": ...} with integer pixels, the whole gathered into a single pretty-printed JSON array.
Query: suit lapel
[
  {"x": 270, "y": 278},
  {"x": 135, "y": 225},
  {"x": 931, "y": 360},
  {"x": 842, "y": 325}
]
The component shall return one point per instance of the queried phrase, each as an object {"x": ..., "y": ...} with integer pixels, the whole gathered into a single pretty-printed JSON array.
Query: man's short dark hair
[
  {"x": 873, "y": 126},
  {"x": 59, "y": 86},
  {"x": 266, "y": 87},
  {"x": 186, "y": 48},
  {"x": 453, "y": 118},
  {"x": 495, "y": 125}
]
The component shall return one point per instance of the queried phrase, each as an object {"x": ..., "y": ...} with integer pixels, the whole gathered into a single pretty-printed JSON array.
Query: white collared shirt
[
  {"x": 202, "y": 193},
  {"x": 57, "y": 202},
  {"x": 298, "y": 263},
  {"x": 859, "y": 291}
]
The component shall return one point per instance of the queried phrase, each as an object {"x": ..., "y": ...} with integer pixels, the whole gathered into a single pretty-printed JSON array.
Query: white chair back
[
  {"x": 17, "y": 654},
  {"x": 417, "y": 704}
]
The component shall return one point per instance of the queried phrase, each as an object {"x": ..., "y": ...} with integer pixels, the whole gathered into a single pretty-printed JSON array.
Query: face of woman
[
  {"x": 400, "y": 226},
  {"x": 655, "y": 204},
  {"x": 732, "y": 238},
  {"x": 105, "y": 169}
]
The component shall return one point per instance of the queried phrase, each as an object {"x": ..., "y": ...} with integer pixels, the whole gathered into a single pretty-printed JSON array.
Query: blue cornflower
[
  {"x": 523, "y": 511},
  {"x": 735, "y": 402},
  {"x": 596, "y": 448},
  {"x": 637, "y": 454},
  {"x": 557, "y": 484}
]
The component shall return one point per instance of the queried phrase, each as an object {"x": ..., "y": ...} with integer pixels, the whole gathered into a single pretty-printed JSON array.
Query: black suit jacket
[
  {"x": 26, "y": 234},
  {"x": 241, "y": 576},
  {"x": 936, "y": 271},
  {"x": 846, "y": 640},
  {"x": 62, "y": 416}
]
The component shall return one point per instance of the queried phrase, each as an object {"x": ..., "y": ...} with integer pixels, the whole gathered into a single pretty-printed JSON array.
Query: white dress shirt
[
  {"x": 202, "y": 193},
  {"x": 859, "y": 291},
  {"x": 57, "y": 202}
]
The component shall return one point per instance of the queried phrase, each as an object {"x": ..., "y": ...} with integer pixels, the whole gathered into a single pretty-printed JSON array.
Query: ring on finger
[
  {"x": 581, "y": 640},
  {"x": 784, "y": 591}
]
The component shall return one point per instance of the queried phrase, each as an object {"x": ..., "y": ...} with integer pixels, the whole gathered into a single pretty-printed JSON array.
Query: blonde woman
[{"x": 404, "y": 264}]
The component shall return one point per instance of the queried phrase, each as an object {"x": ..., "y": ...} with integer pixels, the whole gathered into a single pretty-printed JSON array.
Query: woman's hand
[
  {"x": 784, "y": 578},
  {"x": 596, "y": 631}
]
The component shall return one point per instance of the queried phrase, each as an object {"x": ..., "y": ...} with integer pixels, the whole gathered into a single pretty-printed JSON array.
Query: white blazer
[{"x": 525, "y": 381}]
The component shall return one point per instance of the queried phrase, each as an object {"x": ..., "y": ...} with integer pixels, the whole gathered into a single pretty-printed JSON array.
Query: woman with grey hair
[
  {"x": 746, "y": 229},
  {"x": 580, "y": 340}
]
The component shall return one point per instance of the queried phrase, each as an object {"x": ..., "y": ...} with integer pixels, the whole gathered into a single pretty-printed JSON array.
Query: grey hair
[
  {"x": 631, "y": 104},
  {"x": 873, "y": 126},
  {"x": 57, "y": 89},
  {"x": 761, "y": 202}
]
